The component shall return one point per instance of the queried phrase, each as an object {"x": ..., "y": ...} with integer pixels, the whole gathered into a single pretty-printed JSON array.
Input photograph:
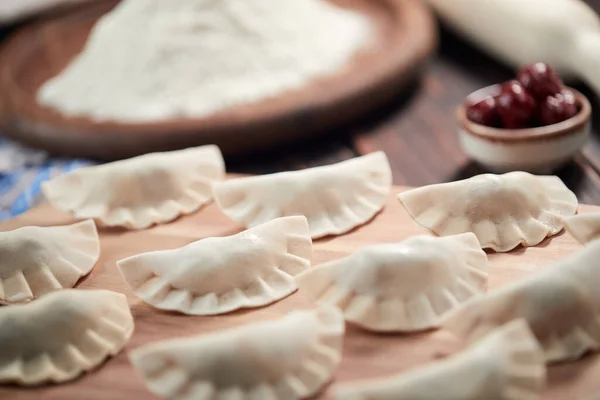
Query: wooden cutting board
[
  {"x": 404, "y": 35},
  {"x": 365, "y": 355}
]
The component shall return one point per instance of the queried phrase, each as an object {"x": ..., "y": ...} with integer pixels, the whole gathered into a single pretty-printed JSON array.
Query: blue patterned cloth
[{"x": 22, "y": 172}]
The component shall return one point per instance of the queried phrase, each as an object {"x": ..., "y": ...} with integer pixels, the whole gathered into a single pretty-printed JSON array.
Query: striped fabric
[{"x": 22, "y": 174}]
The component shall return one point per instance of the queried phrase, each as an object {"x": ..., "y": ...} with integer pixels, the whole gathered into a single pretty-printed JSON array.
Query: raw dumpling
[
  {"x": 508, "y": 364},
  {"x": 218, "y": 275},
  {"x": 502, "y": 210},
  {"x": 141, "y": 191},
  {"x": 335, "y": 198},
  {"x": 583, "y": 227},
  {"x": 287, "y": 359},
  {"x": 405, "y": 286},
  {"x": 561, "y": 303},
  {"x": 61, "y": 335},
  {"x": 36, "y": 260}
]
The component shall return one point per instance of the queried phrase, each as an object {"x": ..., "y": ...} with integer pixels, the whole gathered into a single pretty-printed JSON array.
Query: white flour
[{"x": 150, "y": 60}]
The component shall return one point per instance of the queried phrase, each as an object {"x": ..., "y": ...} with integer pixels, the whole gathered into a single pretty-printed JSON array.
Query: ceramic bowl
[{"x": 537, "y": 150}]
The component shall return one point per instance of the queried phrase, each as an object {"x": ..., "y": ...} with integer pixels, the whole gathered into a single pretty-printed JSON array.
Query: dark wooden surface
[{"x": 418, "y": 131}]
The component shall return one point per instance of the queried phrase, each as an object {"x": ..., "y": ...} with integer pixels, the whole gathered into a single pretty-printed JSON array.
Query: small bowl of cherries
[{"x": 532, "y": 123}]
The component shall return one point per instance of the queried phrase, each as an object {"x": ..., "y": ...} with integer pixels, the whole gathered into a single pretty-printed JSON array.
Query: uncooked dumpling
[
  {"x": 502, "y": 210},
  {"x": 138, "y": 192},
  {"x": 508, "y": 364},
  {"x": 404, "y": 286},
  {"x": 36, "y": 260},
  {"x": 560, "y": 302},
  {"x": 583, "y": 227},
  {"x": 335, "y": 198},
  {"x": 287, "y": 359},
  {"x": 61, "y": 335},
  {"x": 218, "y": 275}
]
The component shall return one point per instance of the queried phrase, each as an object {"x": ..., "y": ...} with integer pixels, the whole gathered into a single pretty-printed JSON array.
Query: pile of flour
[{"x": 151, "y": 60}]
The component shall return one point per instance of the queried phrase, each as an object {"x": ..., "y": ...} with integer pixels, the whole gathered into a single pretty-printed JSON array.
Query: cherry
[
  {"x": 515, "y": 105},
  {"x": 557, "y": 108},
  {"x": 570, "y": 100},
  {"x": 484, "y": 112},
  {"x": 540, "y": 80}
]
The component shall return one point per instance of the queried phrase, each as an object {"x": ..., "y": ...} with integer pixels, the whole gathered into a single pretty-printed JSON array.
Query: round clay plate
[{"x": 404, "y": 37}]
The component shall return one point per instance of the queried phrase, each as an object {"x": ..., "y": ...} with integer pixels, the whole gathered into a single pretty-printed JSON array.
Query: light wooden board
[{"x": 365, "y": 355}]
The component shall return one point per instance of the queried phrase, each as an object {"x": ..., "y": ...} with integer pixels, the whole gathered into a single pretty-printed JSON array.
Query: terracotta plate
[{"x": 405, "y": 35}]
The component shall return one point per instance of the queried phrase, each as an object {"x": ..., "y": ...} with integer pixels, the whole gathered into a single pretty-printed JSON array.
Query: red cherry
[
  {"x": 570, "y": 101},
  {"x": 484, "y": 112},
  {"x": 515, "y": 106},
  {"x": 540, "y": 80},
  {"x": 557, "y": 108}
]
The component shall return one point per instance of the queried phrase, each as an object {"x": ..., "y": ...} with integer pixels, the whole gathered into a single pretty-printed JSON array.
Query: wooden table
[
  {"x": 418, "y": 131},
  {"x": 418, "y": 134}
]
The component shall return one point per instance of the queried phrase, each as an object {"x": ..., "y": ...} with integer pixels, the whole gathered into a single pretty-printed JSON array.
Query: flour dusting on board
[{"x": 154, "y": 59}]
